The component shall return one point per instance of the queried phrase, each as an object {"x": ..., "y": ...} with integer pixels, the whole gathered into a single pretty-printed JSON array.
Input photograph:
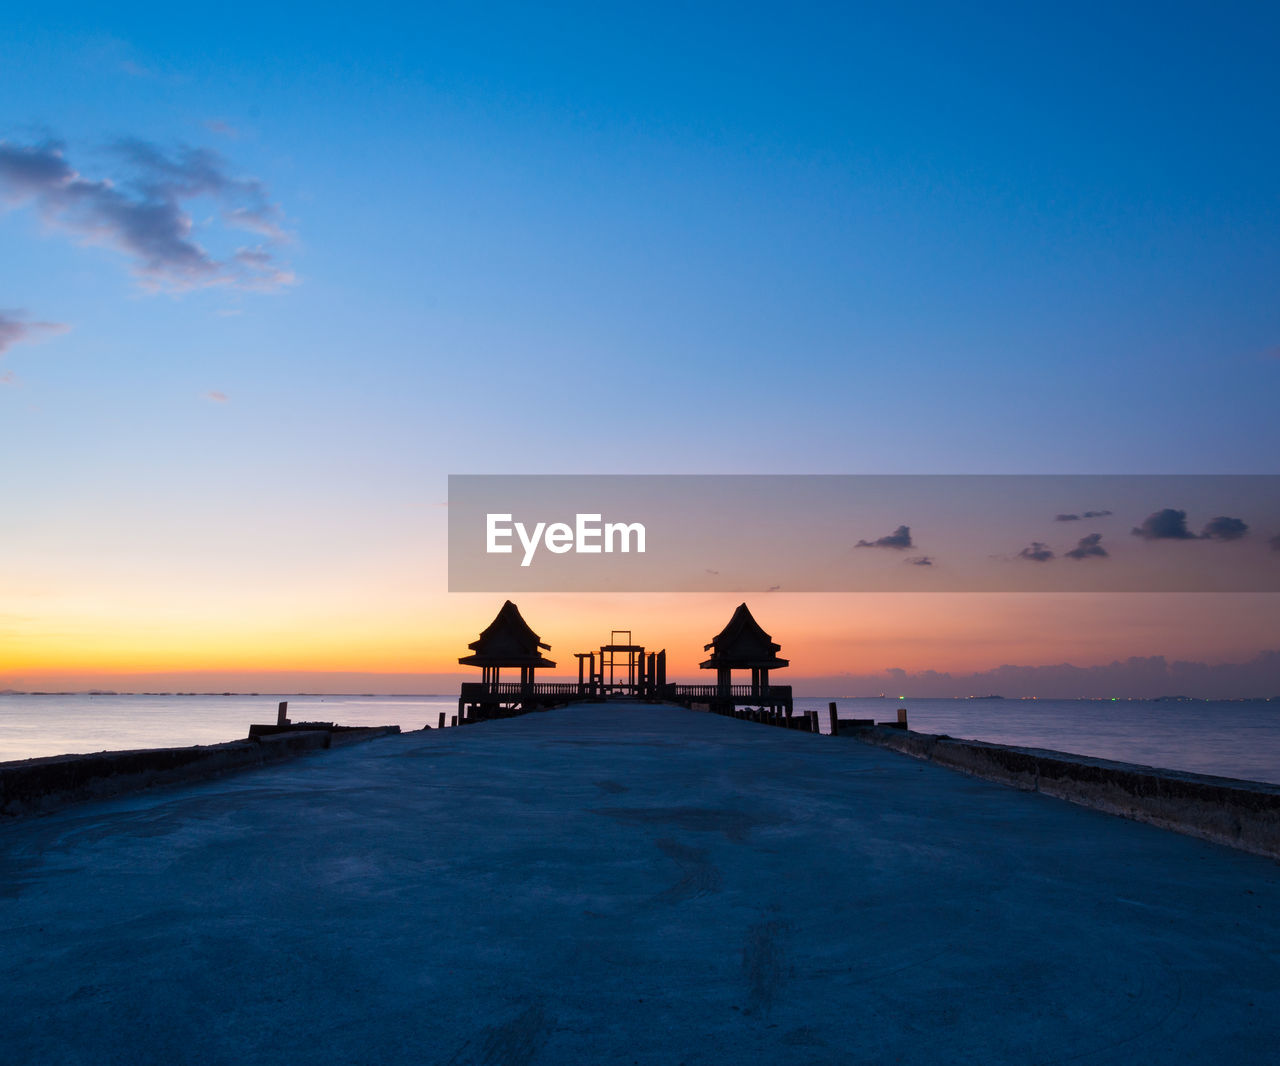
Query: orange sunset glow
[{"x": 826, "y": 636}]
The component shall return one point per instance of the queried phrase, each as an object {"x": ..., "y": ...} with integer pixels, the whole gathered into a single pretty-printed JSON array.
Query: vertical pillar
[{"x": 831, "y": 714}]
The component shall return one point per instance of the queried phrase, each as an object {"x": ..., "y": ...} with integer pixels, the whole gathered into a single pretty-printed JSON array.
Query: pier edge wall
[
  {"x": 29, "y": 786},
  {"x": 1240, "y": 814}
]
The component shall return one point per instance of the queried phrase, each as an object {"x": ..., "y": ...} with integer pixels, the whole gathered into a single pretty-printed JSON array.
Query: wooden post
[
  {"x": 441, "y": 725},
  {"x": 902, "y": 717},
  {"x": 831, "y": 715},
  {"x": 813, "y": 721},
  {"x": 282, "y": 713},
  {"x": 453, "y": 720}
]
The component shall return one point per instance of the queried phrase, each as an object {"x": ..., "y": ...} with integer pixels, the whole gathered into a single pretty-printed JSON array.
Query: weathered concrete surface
[
  {"x": 638, "y": 885},
  {"x": 31, "y": 785},
  {"x": 1240, "y": 814}
]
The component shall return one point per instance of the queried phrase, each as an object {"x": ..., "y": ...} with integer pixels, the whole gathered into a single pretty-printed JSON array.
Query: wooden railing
[
  {"x": 765, "y": 694},
  {"x": 515, "y": 689}
]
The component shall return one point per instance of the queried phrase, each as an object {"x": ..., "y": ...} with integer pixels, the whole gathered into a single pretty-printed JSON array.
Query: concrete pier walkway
[{"x": 626, "y": 885}]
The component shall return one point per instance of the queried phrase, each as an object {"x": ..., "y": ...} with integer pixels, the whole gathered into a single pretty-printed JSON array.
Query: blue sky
[{"x": 647, "y": 239}]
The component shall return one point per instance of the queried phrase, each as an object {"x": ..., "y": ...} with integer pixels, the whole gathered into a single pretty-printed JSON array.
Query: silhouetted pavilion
[
  {"x": 743, "y": 645},
  {"x": 624, "y": 671},
  {"x": 508, "y": 641}
]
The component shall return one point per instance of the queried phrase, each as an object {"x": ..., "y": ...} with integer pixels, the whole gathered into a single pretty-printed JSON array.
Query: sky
[{"x": 268, "y": 276}]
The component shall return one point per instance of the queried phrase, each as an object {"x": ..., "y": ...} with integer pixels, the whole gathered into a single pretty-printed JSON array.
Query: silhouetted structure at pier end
[
  {"x": 743, "y": 645},
  {"x": 621, "y": 670}
]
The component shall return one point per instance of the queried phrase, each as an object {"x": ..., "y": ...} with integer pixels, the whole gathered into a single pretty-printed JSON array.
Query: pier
[{"x": 626, "y": 883}]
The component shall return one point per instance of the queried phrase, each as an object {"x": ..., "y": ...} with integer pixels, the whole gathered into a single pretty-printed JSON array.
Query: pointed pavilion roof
[
  {"x": 742, "y": 644},
  {"x": 508, "y": 641}
]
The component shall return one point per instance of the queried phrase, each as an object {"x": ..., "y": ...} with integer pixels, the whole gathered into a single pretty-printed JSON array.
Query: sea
[{"x": 1239, "y": 739}]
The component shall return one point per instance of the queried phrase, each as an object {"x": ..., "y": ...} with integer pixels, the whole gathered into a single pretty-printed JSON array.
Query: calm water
[
  {"x": 1228, "y": 739},
  {"x": 56, "y": 725}
]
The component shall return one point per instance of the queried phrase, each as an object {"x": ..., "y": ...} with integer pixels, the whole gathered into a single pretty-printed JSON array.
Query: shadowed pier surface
[{"x": 632, "y": 885}]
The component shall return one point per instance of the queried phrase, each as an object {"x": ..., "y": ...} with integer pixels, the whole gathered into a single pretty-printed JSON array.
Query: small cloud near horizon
[
  {"x": 16, "y": 328},
  {"x": 900, "y": 538},
  {"x": 1138, "y": 676},
  {"x": 1089, "y": 547},
  {"x": 1097, "y": 514},
  {"x": 141, "y": 211},
  {"x": 1166, "y": 524},
  {"x": 216, "y": 396},
  {"x": 1037, "y": 552},
  {"x": 1224, "y": 528},
  {"x": 1066, "y": 518},
  {"x": 921, "y": 560}
]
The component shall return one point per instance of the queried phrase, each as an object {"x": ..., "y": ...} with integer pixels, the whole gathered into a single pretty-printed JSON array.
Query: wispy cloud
[
  {"x": 222, "y": 129},
  {"x": 15, "y": 328},
  {"x": 143, "y": 211},
  {"x": 900, "y": 538},
  {"x": 216, "y": 396},
  {"x": 1037, "y": 552},
  {"x": 921, "y": 560}
]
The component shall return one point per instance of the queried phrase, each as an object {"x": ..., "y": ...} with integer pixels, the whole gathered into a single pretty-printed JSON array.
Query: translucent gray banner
[{"x": 864, "y": 533}]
